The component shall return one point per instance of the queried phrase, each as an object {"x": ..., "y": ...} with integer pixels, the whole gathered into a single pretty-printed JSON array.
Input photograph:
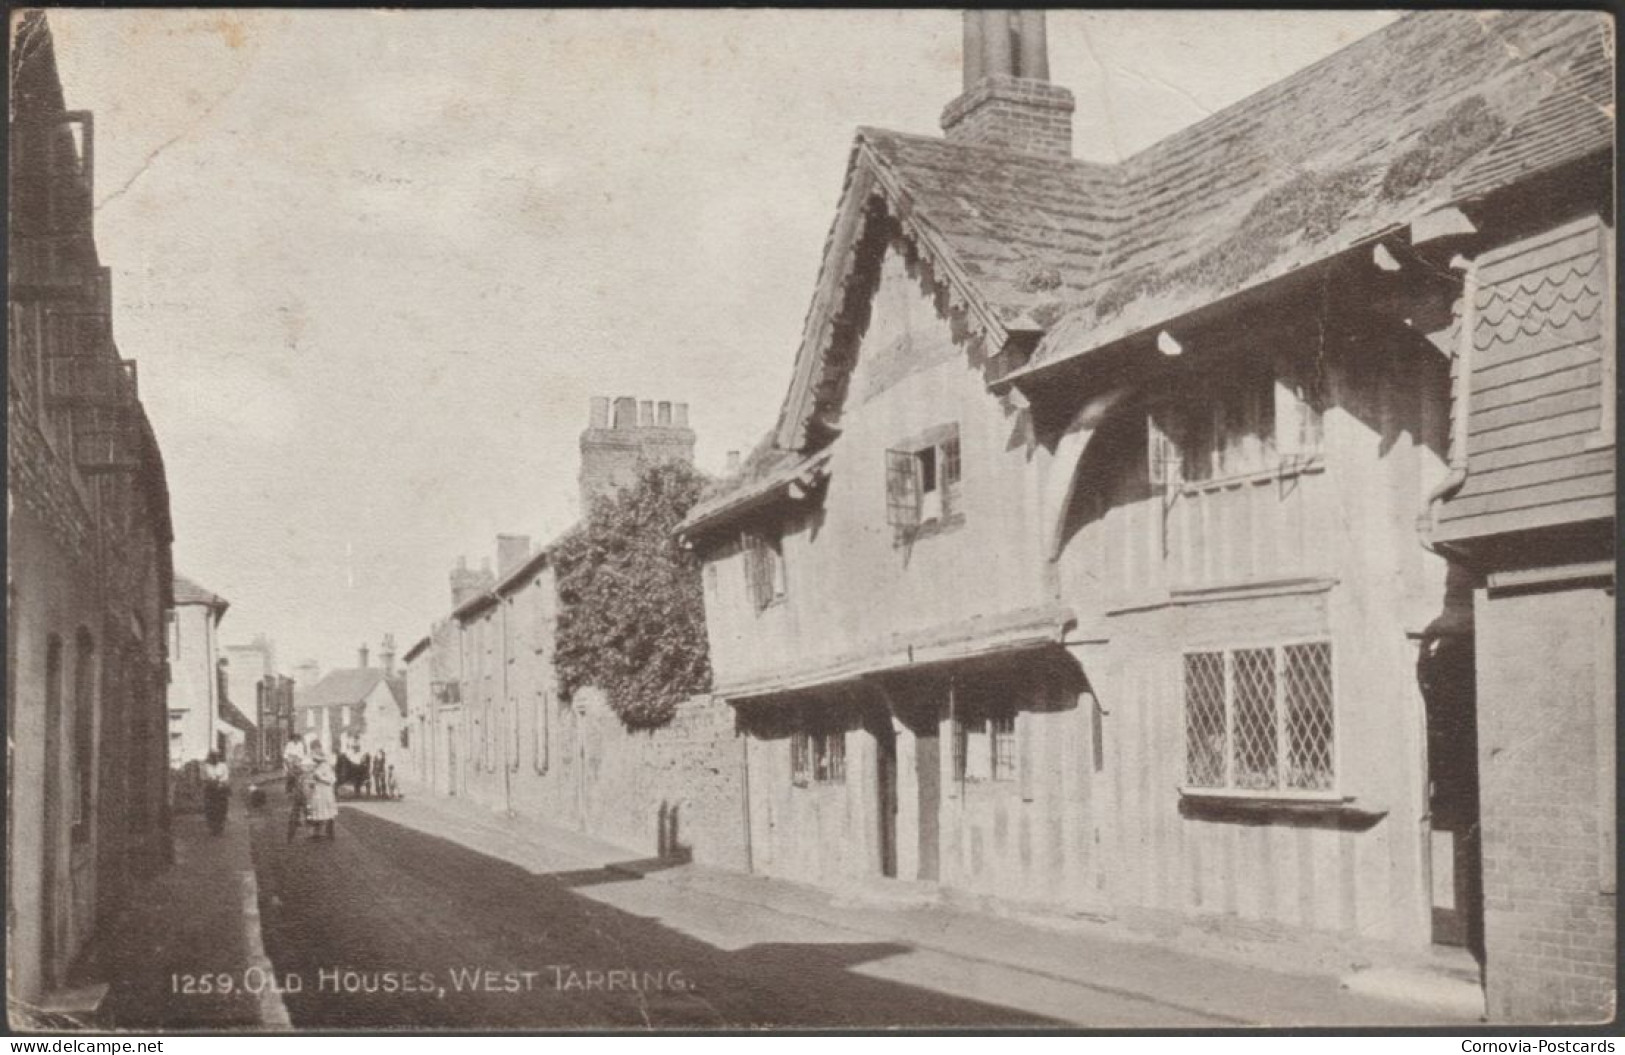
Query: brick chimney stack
[
  {"x": 467, "y": 583},
  {"x": 1008, "y": 100},
  {"x": 617, "y": 445},
  {"x": 363, "y": 657}
]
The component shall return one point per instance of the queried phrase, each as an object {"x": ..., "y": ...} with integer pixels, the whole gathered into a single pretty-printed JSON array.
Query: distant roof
[
  {"x": 189, "y": 592},
  {"x": 1438, "y": 107},
  {"x": 347, "y": 686},
  {"x": 233, "y": 716}
]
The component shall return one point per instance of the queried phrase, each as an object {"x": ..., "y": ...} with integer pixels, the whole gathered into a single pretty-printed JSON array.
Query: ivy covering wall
[{"x": 631, "y": 611}]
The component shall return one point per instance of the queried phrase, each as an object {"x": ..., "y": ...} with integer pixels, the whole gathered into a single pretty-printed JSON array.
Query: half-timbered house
[{"x": 1082, "y": 565}]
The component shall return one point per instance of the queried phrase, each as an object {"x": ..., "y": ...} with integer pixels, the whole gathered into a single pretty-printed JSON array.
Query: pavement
[
  {"x": 434, "y": 913},
  {"x": 185, "y": 951}
]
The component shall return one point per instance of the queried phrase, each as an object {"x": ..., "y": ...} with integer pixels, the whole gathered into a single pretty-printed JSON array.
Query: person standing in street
[
  {"x": 216, "y": 792},
  {"x": 322, "y": 807}
]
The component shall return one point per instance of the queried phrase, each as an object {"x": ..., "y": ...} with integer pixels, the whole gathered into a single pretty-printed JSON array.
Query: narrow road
[{"x": 387, "y": 926}]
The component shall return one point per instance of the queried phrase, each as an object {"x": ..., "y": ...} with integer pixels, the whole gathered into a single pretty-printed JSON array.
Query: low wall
[{"x": 676, "y": 790}]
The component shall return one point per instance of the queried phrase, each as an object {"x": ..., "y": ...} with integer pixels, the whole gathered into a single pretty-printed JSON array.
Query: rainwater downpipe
[{"x": 1461, "y": 397}]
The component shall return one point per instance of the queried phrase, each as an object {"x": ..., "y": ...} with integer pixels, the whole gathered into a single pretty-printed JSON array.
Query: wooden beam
[{"x": 1441, "y": 223}]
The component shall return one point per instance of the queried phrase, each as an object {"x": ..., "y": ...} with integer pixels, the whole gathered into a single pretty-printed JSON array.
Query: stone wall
[{"x": 672, "y": 791}]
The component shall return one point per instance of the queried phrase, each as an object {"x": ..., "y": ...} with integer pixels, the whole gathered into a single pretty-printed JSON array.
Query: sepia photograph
[{"x": 762, "y": 519}]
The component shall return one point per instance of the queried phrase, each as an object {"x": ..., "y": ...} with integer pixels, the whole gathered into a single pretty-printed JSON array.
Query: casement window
[
  {"x": 985, "y": 748},
  {"x": 1260, "y": 719},
  {"x": 922, "y": 480},
  {"x": 764, "y": 568},
  {"x": 817, "y": 756},
  {"x": 1244, "y": 420}
]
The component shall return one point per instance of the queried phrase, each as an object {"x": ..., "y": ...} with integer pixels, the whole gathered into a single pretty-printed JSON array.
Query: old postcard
[{"x": 806, "y": 519}]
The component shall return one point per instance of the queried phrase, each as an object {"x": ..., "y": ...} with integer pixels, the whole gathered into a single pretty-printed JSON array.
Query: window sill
[
  {"x": 930, "y": 529},
  {"x": 1288, "y": 467},
  {"x": 1257, "y": 806}
]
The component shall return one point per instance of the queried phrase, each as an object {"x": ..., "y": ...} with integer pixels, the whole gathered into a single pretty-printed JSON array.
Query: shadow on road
[{"x": 388, "y": 927}]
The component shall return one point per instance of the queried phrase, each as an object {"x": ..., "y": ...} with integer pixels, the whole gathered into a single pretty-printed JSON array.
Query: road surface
[{"x": 387, "y": 926}]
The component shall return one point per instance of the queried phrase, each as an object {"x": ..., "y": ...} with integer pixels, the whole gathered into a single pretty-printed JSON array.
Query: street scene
[{"x": 566, "y": 521}]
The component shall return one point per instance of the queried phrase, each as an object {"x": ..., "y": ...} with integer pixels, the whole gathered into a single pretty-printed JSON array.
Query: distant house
[
  {"x": 357, "y": 710},
  {"x": 1081, "y": 567},
  {"x": 484, "y": 699},
  {"x": 196, "y": 682}
]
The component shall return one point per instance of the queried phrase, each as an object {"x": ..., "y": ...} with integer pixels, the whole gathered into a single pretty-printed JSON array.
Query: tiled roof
[
  {"x": 1030, "y": 232},
  {"x": 1435, "y": 107},
  {"x": 348, "y": 686},
  {"x": 233, "y": 716},
  {"x": 1575, "y": 119},
  {"x": 1343, "y": 151},
  {"x": 189, "y": 592}
]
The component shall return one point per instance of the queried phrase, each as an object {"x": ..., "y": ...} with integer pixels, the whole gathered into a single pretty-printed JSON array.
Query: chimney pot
[
  {"x": 363, "y": 655},
  {"x": 663, "y": 413},
  {"x": 626, "y": 412},
  {"x": 996, "y": 44},
  {"x": 680, "y": 415},
  {"x": 1033, "y": 58},
  {"x": 598, "y": 412},
  {"x": 646, "y": 412},
  {"x": 973, "y": 49}
]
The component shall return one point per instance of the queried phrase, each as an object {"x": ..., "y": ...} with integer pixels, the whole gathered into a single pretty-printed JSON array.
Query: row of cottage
[
  {"x": 1219, "y": 537},
  {"x": 88, "y": 575}
]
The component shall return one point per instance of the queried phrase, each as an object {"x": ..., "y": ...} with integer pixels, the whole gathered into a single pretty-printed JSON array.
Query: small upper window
[
  {"x": 764, "y": 568},
  {"x": 922, "y": 480},
  {"x": 1242, "y": 421}
]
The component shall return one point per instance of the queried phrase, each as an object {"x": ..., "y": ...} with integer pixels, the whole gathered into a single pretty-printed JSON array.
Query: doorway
[
  {"x": 1446, "y": 675},
  {"x": 928, "y": 767}
]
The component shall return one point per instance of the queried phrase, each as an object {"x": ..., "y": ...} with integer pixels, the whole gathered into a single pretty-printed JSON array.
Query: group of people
[
  {"x": 372, "y": 775},
  {"x": 310, "y": 781}
]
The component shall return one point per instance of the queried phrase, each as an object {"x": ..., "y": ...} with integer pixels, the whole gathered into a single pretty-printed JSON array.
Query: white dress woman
[{"x": 321, "y": 805}]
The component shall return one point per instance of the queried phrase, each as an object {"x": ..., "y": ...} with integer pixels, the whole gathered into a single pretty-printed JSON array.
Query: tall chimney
[
  {"x": 626, "y": 412},
  {"x": 1008, "y": 100},
  {"x": 363, "y": 655},
  {"x": 641, "y": 434},
  {"x": 467, "y": 583},
  {"x": 386, "y": 654}
]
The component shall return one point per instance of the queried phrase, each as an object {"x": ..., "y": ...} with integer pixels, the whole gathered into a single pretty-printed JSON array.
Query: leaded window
[{"x": 1260, "y": 719}]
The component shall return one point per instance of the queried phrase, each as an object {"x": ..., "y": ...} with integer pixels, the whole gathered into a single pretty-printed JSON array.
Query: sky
[{"x": 373, "y": 264}]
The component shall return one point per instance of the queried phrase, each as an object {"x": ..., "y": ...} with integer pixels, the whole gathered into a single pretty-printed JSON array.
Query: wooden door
[{"x": 1454, "y": 849}]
